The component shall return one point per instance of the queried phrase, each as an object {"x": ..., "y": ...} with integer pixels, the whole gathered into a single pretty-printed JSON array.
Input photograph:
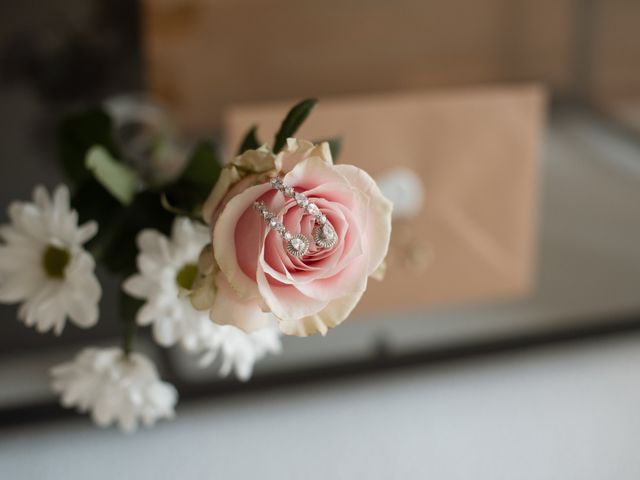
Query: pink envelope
[{"x": 475, "y": 152}]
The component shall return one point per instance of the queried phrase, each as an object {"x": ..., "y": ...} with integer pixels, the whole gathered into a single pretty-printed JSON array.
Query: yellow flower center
[
  {"x": 55, "y": 261},
  {"x": 187, "y": 275}
]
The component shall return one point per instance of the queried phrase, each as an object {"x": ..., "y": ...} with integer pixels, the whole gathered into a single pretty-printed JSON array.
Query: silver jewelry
[
  {"x": 323, "y": 233},
  {"x": 297, "y": 245}
]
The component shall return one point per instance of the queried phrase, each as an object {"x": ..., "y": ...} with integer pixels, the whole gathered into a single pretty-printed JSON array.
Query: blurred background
[{"x": 522, "y": 367}]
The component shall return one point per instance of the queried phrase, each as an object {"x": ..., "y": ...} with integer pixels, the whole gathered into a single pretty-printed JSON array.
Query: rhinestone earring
[
  {"x": 323, "y": 233},
  {"x": 296, "y": 245}
]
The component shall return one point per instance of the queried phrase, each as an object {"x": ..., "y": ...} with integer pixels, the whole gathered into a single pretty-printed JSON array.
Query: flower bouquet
[{"x": 220, "y": 259}]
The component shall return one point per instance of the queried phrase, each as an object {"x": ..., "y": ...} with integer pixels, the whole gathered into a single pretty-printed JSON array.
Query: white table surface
[{"x": 565, "y": 412}]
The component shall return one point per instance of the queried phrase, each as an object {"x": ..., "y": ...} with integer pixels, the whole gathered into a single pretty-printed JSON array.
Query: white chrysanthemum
[
  {"x": 167, "y": 269},
  {"x": 239, "y": 350},
  {"x": 43, "y": 264},
  {"x": 114, "y": 388}
]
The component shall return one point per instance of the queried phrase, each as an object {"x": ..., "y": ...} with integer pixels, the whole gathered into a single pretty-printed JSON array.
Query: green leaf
[
  {"x": 335, "y": 145},
  {"x": 203, "y": 168},
  {"x": 296, "y": 117},
  {"x": 119, "y": 179},
  {"x": 119, "y": 249},
  {"x": 187, "y": 194},
  {"x": 77, "y": 133},
  {"x": 250, "y": 141},
  {"x": 194, "y": 213}
]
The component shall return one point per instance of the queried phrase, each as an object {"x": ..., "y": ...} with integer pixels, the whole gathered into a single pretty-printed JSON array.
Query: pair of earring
[{"x": 297, "y": 245}]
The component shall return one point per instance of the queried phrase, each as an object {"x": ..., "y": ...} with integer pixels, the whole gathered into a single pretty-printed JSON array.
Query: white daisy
[
  {"x": 114, "y": 388},
  {"x": 167, "y": 270},
  {"x": 43, "y": 264},
  {"x": 239, "y": 350}
]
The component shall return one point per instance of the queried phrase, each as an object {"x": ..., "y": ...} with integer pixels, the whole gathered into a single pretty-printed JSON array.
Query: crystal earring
[{"x": 324, "y": 235}]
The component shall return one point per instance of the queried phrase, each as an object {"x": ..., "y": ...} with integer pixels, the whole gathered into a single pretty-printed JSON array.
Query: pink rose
[{"x": 256, "y": 277}]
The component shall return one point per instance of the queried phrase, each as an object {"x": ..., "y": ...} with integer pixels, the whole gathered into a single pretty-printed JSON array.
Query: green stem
[
  {"x": 129, "y": 307},
  {"x": 128, "y": 334}
]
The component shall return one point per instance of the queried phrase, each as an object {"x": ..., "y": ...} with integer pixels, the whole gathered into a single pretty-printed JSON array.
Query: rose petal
[
  {"x": 228, "y": 176},
  {"x": 313, "y": 172},
  {"x": 260, "y": 160},
  {"x": 349, "y": 280},
  {"x": 286, "y": 301},
  {"x": 378, "y": 231},
  {"x": 230, "y": 309},
  {"x": 299, "y": 150},
  {"x": 228, "y": 228},
  {"x": 331, "y": 316}
]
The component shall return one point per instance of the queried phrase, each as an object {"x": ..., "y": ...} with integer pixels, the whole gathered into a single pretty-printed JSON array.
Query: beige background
[{"x": 204, "y": 55}]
